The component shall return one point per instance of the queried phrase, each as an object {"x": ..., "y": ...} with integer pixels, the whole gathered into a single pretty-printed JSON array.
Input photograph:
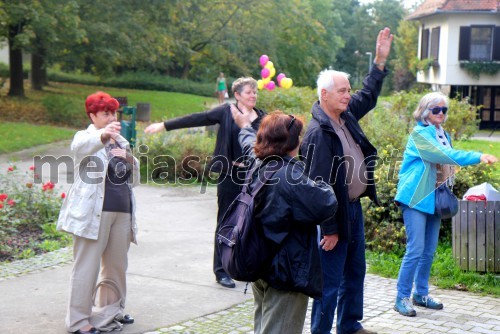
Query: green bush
[
  {"x": 64, "y": 111},
  {"x": 175, "y": 157},
  {"x": 296, "y": 100},
  {"x": 137, "y": 80}
]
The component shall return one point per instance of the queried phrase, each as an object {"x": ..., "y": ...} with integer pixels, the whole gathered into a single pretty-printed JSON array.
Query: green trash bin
[{"x": 127, "y": 121}]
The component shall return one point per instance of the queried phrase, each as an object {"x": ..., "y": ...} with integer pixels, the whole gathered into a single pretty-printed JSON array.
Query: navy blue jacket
[
  {"x": 322, "y": 150},
  {"x": 289, "y": 208}
]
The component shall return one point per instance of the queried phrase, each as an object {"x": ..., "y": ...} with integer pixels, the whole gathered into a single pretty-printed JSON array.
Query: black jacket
[
  {"x": 322, "y": 150},
  {"x": 227, "y": 135},
  {"x": 289, "y": 208}
]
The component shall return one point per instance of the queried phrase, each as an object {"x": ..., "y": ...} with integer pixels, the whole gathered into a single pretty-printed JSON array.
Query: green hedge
[{"x": 137, "y": 80}]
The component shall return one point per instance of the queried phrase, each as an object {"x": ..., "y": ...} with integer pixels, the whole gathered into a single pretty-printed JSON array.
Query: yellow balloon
[
  {"x": 260, "y": 84},
  {"x": 273, "y": 72},
  {"x": 269, "y": 65},
  {"x": 266, "y": 80},
  {"x": 286, "y": 83}
]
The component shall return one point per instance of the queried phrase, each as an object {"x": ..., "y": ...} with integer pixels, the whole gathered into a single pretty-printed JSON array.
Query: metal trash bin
[
  {"x": 127, "y": 121},
  {"x": 143, "y": 111},
  {"x": 476, "y": 236}
]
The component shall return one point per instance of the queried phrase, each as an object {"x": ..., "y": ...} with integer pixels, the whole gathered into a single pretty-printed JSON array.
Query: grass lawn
[
  {"x": 490, "y": 147},
  {"x": 18, "y": 136}
]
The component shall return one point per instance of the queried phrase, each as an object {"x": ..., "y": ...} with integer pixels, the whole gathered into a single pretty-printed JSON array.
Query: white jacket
[{"x": 81, "y": 210}]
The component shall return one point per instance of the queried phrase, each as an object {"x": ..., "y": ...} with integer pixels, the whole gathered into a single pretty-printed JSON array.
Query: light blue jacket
[{"x": 417, "y": 176}]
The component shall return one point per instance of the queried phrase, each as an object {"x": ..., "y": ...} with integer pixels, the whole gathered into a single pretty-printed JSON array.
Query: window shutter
[
  {"x": 435, "y": 45},
  {"x": 424, "y": 50},
  {"x": 464, "y": 44},
  {"x": 496, "y": 43}
]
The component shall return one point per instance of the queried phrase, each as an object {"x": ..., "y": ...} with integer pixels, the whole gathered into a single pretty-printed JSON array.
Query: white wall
[
  {"x": 4, "y": 53},
  {"x": 449, "y": 71}
]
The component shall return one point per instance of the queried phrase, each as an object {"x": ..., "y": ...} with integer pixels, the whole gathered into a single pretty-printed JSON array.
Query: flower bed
[{"x": 28, "y": 212}]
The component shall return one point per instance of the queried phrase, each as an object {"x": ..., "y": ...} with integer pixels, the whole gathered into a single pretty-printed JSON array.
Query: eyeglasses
[
  {"x": 291, "y": 122},
  {"x": 437, "y": 110}
]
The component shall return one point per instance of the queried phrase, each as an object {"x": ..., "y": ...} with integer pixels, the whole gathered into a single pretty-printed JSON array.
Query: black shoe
[
  {"x": 126, "y": 319},
  {"x": 226, "y": 282},
  {"x": 93, "y": 330}
]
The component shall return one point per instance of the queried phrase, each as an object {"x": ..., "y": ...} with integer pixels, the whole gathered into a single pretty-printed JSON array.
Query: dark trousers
[
  {"x": 228, "y": 188},
  {"x": 344, "y": 270}
]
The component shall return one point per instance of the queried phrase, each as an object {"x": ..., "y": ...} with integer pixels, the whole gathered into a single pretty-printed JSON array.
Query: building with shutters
[{"x": 459, "y": 51}]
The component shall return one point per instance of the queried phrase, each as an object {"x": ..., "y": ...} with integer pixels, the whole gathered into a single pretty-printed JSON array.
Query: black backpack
[{"x": 245, "y": 253}]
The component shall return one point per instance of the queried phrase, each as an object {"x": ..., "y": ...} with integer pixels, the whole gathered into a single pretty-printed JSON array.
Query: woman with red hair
[
  {"x": 99, "y": 211},
  {"x": 287, "y": 211}
]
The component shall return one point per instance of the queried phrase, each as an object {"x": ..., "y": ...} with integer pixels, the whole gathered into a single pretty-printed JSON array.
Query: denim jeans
[
  {"x": 344, "y": 270},
  {"x": 422, "y": 233}
]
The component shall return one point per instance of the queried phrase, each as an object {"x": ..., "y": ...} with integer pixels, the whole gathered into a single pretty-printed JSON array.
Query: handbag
[
  {"x": 226, "y": 95},
  {"x": 446, "y": 202}
]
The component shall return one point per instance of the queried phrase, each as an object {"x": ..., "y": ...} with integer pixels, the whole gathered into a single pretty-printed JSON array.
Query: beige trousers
[
  {"x": 277, "y": 311},
  {"x": 109, "y": 253}
]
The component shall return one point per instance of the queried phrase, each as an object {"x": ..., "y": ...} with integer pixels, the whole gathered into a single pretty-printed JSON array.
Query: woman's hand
[
  {"x": 119, "y": 152},
  {"x": 110, "y": 131},
  {"x": 488, "y": 158},
  {"x": 241, "y": 119},
  {"x": 154, "y": 128}
]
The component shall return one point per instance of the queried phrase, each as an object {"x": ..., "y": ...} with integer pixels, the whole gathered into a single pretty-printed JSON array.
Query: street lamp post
[{"x": 370, "y": 63}]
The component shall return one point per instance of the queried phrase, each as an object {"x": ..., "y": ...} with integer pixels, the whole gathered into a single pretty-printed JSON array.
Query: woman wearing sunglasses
[{"x": 428, "y": 161}]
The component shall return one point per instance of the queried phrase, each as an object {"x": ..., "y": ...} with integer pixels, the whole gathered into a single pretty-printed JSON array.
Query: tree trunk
[
  {"x": 15, "y": 65},
  {"x": 38, "y": 71}
]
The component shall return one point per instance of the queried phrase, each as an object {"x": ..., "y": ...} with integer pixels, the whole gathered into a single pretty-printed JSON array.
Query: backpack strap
[{"x": 262, "y": 179}]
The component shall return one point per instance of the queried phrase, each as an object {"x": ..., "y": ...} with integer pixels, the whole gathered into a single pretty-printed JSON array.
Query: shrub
[
  {"x": 28, "y": 212},
  {"x": 64, "y": 111},
  {"x": 296, "y": 100},
  {"x": 176, "y": 157},
  {"x": 137, "y": 80}
]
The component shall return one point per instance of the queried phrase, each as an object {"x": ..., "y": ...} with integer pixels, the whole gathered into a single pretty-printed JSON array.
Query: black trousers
[{"x": 228, "y": 188}]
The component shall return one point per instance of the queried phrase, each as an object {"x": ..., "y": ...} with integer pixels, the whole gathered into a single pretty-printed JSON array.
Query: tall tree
[{"x": 405, "y": 60}]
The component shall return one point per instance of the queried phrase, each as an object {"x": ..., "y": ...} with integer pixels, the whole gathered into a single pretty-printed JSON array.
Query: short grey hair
[
  {"x": 240, "y": 83},
  {"x": 429, "y": 100},
  {"x": 325, "y": 80}
]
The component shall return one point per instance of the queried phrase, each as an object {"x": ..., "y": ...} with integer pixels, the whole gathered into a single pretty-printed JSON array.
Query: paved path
[{"x": 172, "y": 288}]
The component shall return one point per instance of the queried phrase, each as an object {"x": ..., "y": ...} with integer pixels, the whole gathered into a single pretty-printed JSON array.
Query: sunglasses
[
  {"x": 291, "y": 122},
  {"x": 437, "y": 110}
]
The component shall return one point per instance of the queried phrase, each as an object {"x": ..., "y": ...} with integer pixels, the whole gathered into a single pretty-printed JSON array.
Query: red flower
[
  {"x": 10, "y": 169},
  {"x": 3, "y": 197},
  {"x": 11, "y": 202},
  {"x": 1, "y": 205},
  {"x": 48, "y": 186},
  {"x": 32, "y": 167},
  {"x": 63, "y": 195}
]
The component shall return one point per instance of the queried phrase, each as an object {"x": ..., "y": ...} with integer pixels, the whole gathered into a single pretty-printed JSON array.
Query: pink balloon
[
  {"x": 270, "y": 85},
  {"x": 279, "y": 77},
  {"x": 265, "y": 72},
  {"x": 263, "y": 60}
]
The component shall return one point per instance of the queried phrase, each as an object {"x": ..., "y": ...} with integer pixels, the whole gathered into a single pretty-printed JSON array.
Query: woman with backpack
[{"x": 287, "y": 210}]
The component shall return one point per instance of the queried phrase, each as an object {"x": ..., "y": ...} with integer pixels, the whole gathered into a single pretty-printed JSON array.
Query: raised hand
[
  {"x": 111, "y": 131},
  {"x": 383, "y": 47}
]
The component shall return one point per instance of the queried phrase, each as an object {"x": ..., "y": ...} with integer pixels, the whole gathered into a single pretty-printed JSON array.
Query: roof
[{"x": 432, "y": 7}]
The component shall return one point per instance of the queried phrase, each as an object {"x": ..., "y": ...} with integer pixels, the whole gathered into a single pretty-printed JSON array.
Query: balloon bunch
[{"x": 268, "y": 71}]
